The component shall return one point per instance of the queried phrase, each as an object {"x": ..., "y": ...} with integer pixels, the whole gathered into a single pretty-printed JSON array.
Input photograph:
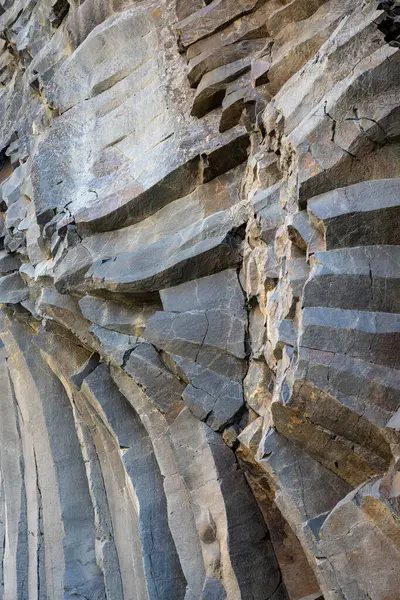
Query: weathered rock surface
[{"x": 199, "y": 300}]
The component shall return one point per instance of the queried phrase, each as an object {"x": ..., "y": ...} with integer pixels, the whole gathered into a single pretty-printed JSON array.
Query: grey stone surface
[
  {"x": 221, "y": 290},
  {"x": 361, "y": 214},
  {"x": 141, "y": 466},
  {"x": 362, "y": 278},
  {"x": 199, "y": 260},
  {"x": 13, "y": 289},
  {"x": 147, "y": 369},
  {"x": 114, "y": 316}
]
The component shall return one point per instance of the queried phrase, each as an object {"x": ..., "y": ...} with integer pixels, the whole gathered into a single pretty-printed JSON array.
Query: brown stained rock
[
  {"x": 303, "y": 234},
  {"x": 353, "y": 464},
  {"x": 363, "y": 518},
  {"x": 297, "y": 573},
  {"x": 6, "y": 170},
  {"x": 258, "y": 386}
]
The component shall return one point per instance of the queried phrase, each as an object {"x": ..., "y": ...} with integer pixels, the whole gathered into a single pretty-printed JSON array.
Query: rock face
[{"x": 199, "y": 288}]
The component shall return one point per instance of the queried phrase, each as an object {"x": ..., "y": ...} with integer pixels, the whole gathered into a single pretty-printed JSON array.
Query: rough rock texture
[{"x": 199, "y": 288}]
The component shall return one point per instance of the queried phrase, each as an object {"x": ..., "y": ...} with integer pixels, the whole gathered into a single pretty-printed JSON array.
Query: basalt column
[{"x": 199, "y": 300}]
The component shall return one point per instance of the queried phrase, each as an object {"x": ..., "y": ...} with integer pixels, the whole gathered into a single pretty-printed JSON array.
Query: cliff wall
[{"x": 200, "y": 308}]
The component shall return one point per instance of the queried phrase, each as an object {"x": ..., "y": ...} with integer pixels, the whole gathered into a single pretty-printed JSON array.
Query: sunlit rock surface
[{"x": 199, "y": 288}]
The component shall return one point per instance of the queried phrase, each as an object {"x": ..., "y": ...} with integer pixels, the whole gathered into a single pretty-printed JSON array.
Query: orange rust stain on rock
[
  {"x": 157, "y": 13},
  {"x": 310, "y": 165}
]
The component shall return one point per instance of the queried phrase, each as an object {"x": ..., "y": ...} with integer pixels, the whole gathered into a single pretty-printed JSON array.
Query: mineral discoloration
[{"x": 199, "y": 288}]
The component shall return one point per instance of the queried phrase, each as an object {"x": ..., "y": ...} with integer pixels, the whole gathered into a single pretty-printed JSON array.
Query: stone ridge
[{"x": 199, "y": 300}]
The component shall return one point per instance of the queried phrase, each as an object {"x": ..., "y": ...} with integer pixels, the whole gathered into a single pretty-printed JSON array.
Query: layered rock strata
[{"x": 199, "y": 288}]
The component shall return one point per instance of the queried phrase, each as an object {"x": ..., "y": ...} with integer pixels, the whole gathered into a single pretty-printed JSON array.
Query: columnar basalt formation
[{"x": 200, "y": 315}]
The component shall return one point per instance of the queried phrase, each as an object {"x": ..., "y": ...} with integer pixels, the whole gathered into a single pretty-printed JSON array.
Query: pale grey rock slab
[
  {"x": 199, "y": 402},
  {"x": 211, "y": 395},
  {"x": 114, "y": 347},
  {"x": 218, "y": 406},
  {"x": 209, "y": 457},
  {"x": 199, "y": 249},
  {"x": 186, "y": 333},
  {"x": 213, "y": 590},
  {"x": 206, "y": 199},
  {"x": 70, "y": 270},
  {"x": 16, "y": 213},
  {"x": 146, "y": 368},
  {"x": 180, "y": 513},
  {"x": 178, "y": 333},
  {"x": 299, "y": 497},
  {"x": 15, "y": 551},
  {"x": 130, "y": 204},
  {"x": 221, "y": 290},
  {"x": 356, "y": 397},
  {"x": 69, "y": 86},
  {"x": 59, "y": 461},
  {"x": 358, "y": 27},
  {"x": 118, "y": 192},
  {"x": 162, "y": 568},
  {"x": 267, "y": 206},
  {"x": 121, "y": 88},
  {"x": 72, "y": 357},
  {"x": 106, "y": 549},
  {"x": 128, "y": 320},
  {"x": 11, "y": 188}
]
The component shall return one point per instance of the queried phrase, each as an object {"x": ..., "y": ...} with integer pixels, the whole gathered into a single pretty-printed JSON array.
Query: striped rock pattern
[{"x": 199, "y": 300}]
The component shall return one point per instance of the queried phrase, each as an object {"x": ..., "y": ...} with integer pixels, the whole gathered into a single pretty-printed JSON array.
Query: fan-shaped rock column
[{"x": 199, "y": 282}]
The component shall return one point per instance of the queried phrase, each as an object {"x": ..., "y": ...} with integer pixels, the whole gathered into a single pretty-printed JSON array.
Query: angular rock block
[
  {"x": 367, "y": 513},
  {"x": 359, "y": 215},
  {"x": 199, "y": 321},
  {"x": 373, "y": 337},
  {"x": 364, "y": 278}
]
